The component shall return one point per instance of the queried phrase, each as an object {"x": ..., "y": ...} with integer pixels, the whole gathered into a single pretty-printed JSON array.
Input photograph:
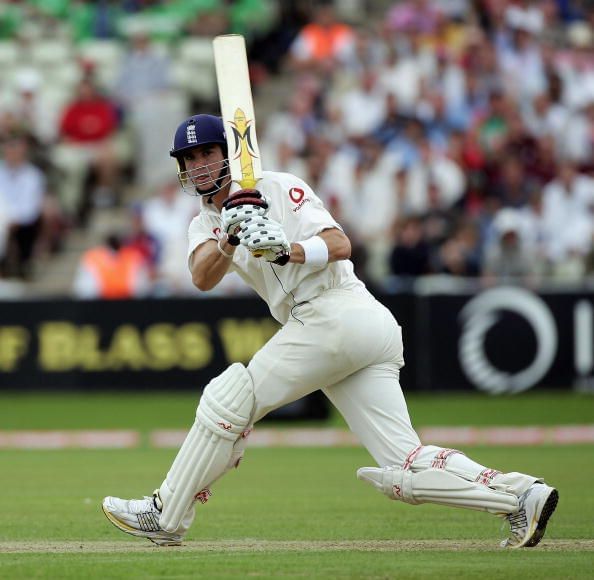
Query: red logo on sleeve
[
  {"x": 217, "y": 232},
  {"x": 296, "y": 194}
]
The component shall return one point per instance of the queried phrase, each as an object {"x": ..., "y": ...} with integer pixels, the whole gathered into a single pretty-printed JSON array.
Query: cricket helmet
[{"x": 193, "y": 132}]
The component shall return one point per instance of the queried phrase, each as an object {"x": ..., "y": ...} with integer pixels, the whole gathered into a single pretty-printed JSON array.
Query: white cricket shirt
[{"x": 302, "y": 215}]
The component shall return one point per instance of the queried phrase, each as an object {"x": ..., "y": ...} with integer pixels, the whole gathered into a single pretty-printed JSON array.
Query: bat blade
[{"x": 237, "y": 109}]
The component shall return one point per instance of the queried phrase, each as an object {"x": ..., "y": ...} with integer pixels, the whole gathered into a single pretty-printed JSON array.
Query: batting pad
[
  {"x": 438, "y": 486},
  {"x": 224, "y": 412}
]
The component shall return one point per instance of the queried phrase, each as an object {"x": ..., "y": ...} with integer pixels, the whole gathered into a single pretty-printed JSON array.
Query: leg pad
[
  {"x": 437, "y": 486},
  {"x": 224, "y": 412}
]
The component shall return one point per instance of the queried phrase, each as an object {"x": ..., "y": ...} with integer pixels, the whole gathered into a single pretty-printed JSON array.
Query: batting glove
[
  {"x": 241, "y": 205},
  {"x": 265, "y": 238}
]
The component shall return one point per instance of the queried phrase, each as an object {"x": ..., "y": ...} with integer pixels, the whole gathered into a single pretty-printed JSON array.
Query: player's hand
[
  {"x": 241, "y": 205},
  {"x": 266, "y": 238}
]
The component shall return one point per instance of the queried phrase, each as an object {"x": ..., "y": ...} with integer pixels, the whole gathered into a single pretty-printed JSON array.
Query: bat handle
[{"x": 235, "y": 187}]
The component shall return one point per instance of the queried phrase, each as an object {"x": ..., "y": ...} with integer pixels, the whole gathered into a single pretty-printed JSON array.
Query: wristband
[
  {"x": 315, "y": 251},
  {"x": 220, "y": 248}
]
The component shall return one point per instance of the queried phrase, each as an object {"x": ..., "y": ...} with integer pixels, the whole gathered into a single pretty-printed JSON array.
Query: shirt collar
[{"x": 208, "y": 208}]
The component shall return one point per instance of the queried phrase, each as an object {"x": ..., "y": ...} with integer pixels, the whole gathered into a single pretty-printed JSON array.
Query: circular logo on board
[
  {"x": 296, "y": 194},
  {"x": 480, "y": 315}
]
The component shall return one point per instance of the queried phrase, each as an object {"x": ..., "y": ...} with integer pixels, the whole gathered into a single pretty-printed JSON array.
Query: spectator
[
  {"x": 410, "y": 256},
  {"x": 460, "y": 254},
  {"x": 142, "y": 241},
  {"x": 510, "y": 188},
  {"x": 90, "y": 145},
  {"x": 567, "y": 211},
  {"x": 535, "y": 234},
  {"x": 401, "y": 76},
  {"x": 23, "y": 190},
  {"x": 144, "y": 71},
  {"x": 417, "y": 15},
  {"x": 432, "y": 182},
  {"x": 144, "y": 88},
  {"x": 37, "y": 115},
  {"x": 362, "y": 109},
  {"x": 112, "y": 271},
  {"x": 545, "y": 117},
  {"x": 322, "y": 44},
  {"x": 291, "y": 128},
  {"x": 166, "y": 218},
  {"x": 508, "y": 259},
  {"x": 520, "y": 58},
  {"x": 368, "y": 206}
]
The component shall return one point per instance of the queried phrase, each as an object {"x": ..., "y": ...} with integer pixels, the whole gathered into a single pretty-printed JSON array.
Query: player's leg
[
  {"x": 292, "y": 364},
  {"x": 288, "y": 367},
  {"x": 209, "y": 450},
  {"x": 373, "y": 405},
  {"x": 328, "y": 339}
]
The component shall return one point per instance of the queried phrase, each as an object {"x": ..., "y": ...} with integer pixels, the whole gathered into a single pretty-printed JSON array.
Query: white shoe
[
  {"x": 140, "y": 517},
  {"x": 528, "y": 524}
]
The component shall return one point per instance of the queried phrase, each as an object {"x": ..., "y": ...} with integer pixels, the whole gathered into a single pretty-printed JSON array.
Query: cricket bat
[{"x": 237, "y": 111}]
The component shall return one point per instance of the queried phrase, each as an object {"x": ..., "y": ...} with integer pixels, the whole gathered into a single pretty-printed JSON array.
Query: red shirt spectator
[{"x": 90, "y": 117}]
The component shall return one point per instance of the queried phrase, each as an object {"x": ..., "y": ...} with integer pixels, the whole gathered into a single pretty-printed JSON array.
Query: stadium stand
[{"x": 439, "y": 117}]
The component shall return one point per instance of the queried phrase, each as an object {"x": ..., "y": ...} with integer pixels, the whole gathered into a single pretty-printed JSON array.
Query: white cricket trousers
[{"x": 348, "y": 344}]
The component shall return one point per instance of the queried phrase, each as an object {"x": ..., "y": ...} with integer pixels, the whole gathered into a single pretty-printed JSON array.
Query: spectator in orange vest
[
  {"x": 112, "y": 271},
  {"x": 323, "y": 43}
]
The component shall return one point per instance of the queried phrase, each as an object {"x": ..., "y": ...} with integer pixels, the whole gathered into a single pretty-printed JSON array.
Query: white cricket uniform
[{"x": 335, "y": 335}]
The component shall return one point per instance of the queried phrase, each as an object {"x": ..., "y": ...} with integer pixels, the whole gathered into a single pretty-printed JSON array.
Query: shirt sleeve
[
  {"x": 305, "y": 214},
  {"x": 201, "y": 230}
]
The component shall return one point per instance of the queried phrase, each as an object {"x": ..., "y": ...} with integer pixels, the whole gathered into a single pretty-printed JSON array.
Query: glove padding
[
  {"x": 265, "y": 238},
  {"x": 241, "y": 205}
]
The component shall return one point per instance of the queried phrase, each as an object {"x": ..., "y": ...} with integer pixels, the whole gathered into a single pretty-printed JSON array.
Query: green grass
[
  {"x": 298, "y": 495},
  {"x": 174, "y": 409},
  {"x": 280, "y": 495}
]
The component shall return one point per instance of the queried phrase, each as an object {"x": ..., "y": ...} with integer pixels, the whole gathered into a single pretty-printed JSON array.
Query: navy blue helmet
[{"x": 193, "y": 132}]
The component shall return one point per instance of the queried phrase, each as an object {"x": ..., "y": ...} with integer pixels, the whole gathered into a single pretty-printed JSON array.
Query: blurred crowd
[
  {"x": 89, "y": 94},
  {"x": 450, "y": 137}
]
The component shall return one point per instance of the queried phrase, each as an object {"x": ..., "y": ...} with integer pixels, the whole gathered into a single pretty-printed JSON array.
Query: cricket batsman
[{"x": 335, "y": 336}]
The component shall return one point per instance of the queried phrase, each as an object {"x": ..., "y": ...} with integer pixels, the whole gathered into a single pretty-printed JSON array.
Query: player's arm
[
  {"x": 337, "y": 242},
  {"x": 210, "y": 262}
]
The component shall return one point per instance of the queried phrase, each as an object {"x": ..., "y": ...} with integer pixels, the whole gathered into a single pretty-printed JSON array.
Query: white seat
[
  {"x": 65, "y": 76},
  {"x": 194, "y": 68},
  {"x": 105, "y": 56},
  {"x": 50, "y": 52},
  {"x": 9, "y": 53},
  {"x": 103, "y": 53},
  {"x": 196, "y": 50}
]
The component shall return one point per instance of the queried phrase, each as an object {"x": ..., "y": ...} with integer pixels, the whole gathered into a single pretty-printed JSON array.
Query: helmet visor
[{"x": 205, "y": 180}]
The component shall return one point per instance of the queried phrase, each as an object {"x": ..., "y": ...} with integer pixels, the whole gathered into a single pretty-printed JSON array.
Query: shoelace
[
  {"x": 148, "y": 515},
  {"x": 517, "y": 522}
]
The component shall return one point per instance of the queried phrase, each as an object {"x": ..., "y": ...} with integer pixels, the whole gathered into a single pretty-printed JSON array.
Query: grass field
[{"x": 286, "y": 512}]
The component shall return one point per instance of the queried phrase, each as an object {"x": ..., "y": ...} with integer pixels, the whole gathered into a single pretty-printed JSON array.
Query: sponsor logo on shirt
[{"x": 297, "y": 196}]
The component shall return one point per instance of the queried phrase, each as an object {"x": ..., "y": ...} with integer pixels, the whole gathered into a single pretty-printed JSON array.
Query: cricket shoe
[
  {"x": 528, "y": 524},
  {"x": 140, "y": 517}
]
